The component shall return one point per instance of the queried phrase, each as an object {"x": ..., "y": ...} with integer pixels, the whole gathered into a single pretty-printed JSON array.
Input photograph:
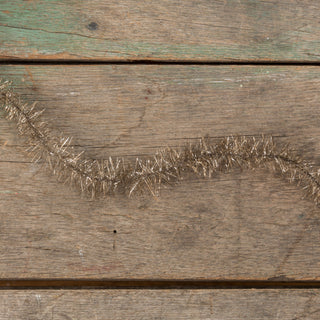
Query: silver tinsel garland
[{"x": 105, "y": 177}]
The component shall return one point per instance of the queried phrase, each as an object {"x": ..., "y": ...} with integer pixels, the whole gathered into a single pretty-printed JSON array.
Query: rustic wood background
[{"x": 124, "y": 78}]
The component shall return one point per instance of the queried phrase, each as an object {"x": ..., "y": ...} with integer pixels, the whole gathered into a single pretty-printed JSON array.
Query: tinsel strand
[{"x": 167, "y": 166}]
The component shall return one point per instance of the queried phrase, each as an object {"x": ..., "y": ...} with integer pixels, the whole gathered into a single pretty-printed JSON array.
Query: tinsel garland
[{"x": 168, "y": 165}]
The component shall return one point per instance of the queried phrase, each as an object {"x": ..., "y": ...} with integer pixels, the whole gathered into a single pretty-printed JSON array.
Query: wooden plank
[
  {"x": 160, "y": 304},
  {"x": 161, "y": 30},
  {"x": 248, "y": 225}
]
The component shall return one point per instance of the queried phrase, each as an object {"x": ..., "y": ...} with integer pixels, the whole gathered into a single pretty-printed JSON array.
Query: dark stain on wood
[{"x": 92, "y": 26}]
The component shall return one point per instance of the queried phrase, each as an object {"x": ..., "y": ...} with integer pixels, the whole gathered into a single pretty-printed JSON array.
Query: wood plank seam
[{"x": 44, "y": 284}]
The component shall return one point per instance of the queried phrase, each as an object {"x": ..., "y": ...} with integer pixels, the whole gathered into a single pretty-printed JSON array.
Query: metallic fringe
[{"x": 105, "y": 177}]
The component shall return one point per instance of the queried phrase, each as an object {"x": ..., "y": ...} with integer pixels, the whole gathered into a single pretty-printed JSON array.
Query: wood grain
[
  {"x": 160, "y": 304},
  {"x": 130, "y": 110},
  {"x": 249, "y": 225},
  {"x": 168, "y": 30}
]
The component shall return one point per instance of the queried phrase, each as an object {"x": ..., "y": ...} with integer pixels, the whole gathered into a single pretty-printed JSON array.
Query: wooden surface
[
  {"x": 160, "y": 304},
  {"x": 211, "y": 73},
  {"x": 132, "y": 110},
  {"x": 256, "y": 226},
  {"x": 203, "y": 31}
]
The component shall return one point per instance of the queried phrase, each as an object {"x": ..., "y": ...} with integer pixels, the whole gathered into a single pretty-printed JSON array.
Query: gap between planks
[
  {"x": 68, "y": 284},
  {"x": 158, "y": 62}
]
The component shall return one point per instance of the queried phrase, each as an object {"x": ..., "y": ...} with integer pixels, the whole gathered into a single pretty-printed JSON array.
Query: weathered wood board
[
  {"x": 167, "y": 30},
  {"x": 248, "y": 225},
  {"x": 132, "y": 110},
  {"x": 160, "y": 304}
]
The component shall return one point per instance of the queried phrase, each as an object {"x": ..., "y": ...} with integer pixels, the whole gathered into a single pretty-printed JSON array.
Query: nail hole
[
  {"x": 92, "y": 26},
  {"x": 114, "y": 231}
]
